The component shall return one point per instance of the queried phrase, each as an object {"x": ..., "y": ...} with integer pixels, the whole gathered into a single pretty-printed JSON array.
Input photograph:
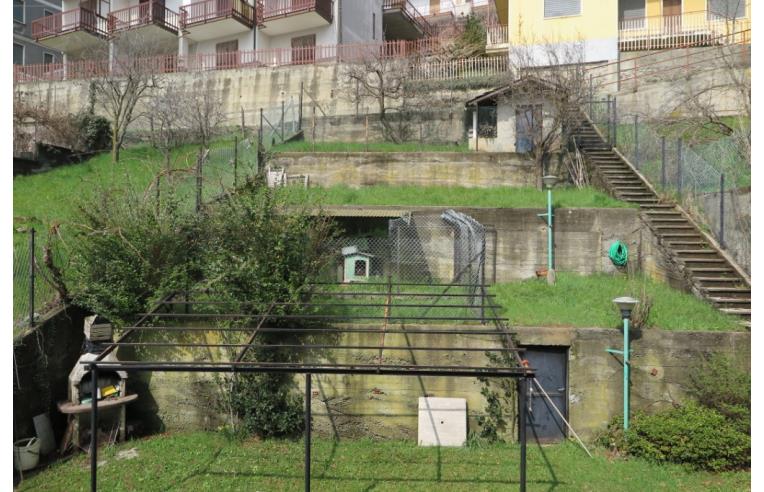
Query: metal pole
[
  {"x": 679, "y": 166},
  {"x": 626, "y": 372},
  {"x": 521, "y": 385},
  {"x": 308, "y": 395},
  {"x": 615, "y": 122},
  {"x": 609, "y": 124},
  {"x": 550, "y": 255},
  {"x": 721, "y": 210},
  {"x": 282, "y": 121},
  {"x": 636, "y": 141},
  {"x": 591, "y": 96},
  {"x": 299, "y": 120},
  {"x": 663, "y": 163},
  {"x": 260, "y": 134},
  {"x": 31, "y": 276},
  {"x": 94, "y": 428},
  {"x": 199, "y": 182},
  {"x": 235, "y": 158}
]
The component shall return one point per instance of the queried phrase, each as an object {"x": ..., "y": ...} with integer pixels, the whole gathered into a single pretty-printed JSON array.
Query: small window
[
  {"x": 18, "y": 11},
  {"x": 48, "y": 58},
  {"x": 726, "y": 9},
  {"x": 18, "y": 54},
  {"x": 560, "y": 8}
]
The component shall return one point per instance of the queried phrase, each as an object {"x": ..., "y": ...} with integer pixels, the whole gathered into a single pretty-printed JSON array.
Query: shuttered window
[
  {"x": 631, "y": 9},
  {"x": 557, "y": 8},
  {"x": 726, "y": 9}
]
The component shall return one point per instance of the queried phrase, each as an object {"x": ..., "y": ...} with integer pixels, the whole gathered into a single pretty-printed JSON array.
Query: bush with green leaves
[
  {"x": 718, "y": 384},
  {"x": 690, "y": 434},
  {"x": 94, "y": 131}
]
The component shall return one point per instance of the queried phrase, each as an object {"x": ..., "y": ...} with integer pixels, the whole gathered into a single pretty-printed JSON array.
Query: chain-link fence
[
  {"x": 33, "y": 285},
  {"x": 711, "y": 179}
]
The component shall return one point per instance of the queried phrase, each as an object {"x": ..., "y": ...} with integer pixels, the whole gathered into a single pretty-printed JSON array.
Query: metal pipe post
[
  {"x": 615, "y": 122},
  {"x": 663, "y": 163},
  {"x": 591, "y": 97},
  {"x": 522, "y": 387},
  {"x": 679, "y": 166},
  {"x": 283, "y": 116},
  {"x": 308, "y": 395},
  {"x": 299, "y": 119},
  {"x": 721, "y": 210},
  {"x": 94, "y": 428},
  {"x": 31, "y": 276},
  {"x": 199, "y": 182},
  {"x": 609, "y": 124},
  {"x": 636, "y": 141},
  {"x": 235, "y": 158},
  {"x": 550, "y": 243},
  {"x": 626, "y": 373}
]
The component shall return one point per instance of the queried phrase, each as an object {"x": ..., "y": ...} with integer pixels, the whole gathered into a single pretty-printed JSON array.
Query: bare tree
[
  {"x": 550, "y": 84},
  {"x": 204, "y": 113},
  {"x": 170, "y": 112},
  {"x": 119, "y": 91}
]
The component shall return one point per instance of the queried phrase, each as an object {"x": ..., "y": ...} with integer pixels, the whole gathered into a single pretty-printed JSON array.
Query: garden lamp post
[
  {"x": 549, "y": 182},
  {"x": 626, "y": 306}
]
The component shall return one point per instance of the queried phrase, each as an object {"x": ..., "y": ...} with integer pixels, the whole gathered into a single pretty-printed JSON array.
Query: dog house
[{"x": 357, "y": 265}]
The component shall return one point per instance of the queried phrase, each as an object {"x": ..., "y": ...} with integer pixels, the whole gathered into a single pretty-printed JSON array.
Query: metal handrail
[{"x": 143, "y": 14}]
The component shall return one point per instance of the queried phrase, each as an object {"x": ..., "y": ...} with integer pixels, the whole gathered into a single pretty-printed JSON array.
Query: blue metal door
[{"x": 543, "y": 424}]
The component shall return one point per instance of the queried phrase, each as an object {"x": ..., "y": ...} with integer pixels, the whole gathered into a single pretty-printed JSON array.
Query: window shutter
[
  {"x": 727, "y": 9},
  {"x": 556, "y": 8},
  {"x": 631, "y": 9}
]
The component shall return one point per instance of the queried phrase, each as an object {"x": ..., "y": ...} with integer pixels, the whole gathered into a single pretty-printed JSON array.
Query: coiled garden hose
[{"x": 619, "y": 253}]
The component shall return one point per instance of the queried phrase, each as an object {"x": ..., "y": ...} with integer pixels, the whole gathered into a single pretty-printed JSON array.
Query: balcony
[
  {"x": 73, "y": 31},
  {"x": 497, "y": 39},
  {"x": 285, "y": 16},
  {"x": 210, "y": 19},
  {"x": 401, "y": 20},
  {"x": 672, "y": 31},
  {"x": 154, "y": 20}
]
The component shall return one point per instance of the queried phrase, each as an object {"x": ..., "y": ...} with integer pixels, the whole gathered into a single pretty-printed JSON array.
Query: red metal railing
[
  {"x": 275, "y": 57},
  {"x": 69, "y": 21},
  {"x": 213, "y": 10},
  {"x": 270, "y": 9},
  {"x": 143, "y": 14},
  {"x": 411, "y": 12}
]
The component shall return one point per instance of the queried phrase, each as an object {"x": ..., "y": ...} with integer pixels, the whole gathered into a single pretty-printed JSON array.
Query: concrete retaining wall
[{"x": 358, "y": 169}]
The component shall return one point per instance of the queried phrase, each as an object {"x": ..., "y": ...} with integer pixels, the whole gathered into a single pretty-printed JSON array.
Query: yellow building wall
[
  {"x": 598, "y": 20},
  {"x": 653, "y": 7}
]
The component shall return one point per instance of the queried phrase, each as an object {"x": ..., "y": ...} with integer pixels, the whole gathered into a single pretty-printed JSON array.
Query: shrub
[
  {"x": 95, "y": 131},
  {"x": 690, "y": 434},
  {"x": 716, "y": 383}
]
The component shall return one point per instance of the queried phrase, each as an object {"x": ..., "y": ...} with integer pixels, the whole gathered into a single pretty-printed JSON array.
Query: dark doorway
[
  {"x": 544, "y": 425},
  {"x": 527, "y": 127}
]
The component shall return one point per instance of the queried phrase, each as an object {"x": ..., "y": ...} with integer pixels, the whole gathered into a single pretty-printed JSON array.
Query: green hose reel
[{"x": 619, "y": 253}]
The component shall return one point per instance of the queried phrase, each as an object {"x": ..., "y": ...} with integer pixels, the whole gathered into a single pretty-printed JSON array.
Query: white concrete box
[{"x": 442, "y": 421}]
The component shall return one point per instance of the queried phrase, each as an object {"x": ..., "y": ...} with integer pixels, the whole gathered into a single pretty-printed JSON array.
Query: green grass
[
  {"x": 304, "y": 146},
  {"x": 499, "y": 196},
  {"x": 208, "y": 461},
  {"x": 585, "y": 301}
]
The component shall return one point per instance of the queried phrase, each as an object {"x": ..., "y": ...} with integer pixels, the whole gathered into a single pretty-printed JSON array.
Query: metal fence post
[
  {"x": 282, "y": 121},
  {"x": 636, "y": 141},
  {"x": 199, "y": 182},
  {"x": 615, "y": 122},
  {"x": 721, "y": 210},
  {"x": 299, "y": 114},
  {"x": 609, "y": 125},
  {"x": 31, "y": 276},
  {"x": 308, "y": 397},
  {"x": 591, "y": 97},
  {"x": 679, "y": 166},
  {"x": 235, "y": 159},
  {"x": 663, "y": 163}
]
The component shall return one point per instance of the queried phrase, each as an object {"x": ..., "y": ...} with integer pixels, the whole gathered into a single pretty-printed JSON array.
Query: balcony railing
[
  {"x": 214, "y": 10},
  {"x": 411, "y": 12},
  {"x": 69, "y": 21},
  {"x": 144, "y": 14},
  {"x": 275, "y": 57},
  {"x": 669, "y": 31},
  {"x": 272, "y": 9},
  {"x": 497, "y": 36}
]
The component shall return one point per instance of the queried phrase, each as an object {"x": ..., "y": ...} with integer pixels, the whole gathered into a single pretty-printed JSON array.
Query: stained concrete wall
[
  {"x": 358, "y": 169},
  {"x": 386, "y": 406},
  {"x": 43, "y": 359}
]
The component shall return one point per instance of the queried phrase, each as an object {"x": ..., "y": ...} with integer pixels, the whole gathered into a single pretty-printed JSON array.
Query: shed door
[
  {"x": 551, "y": 364},
  {"x": 527, "y": 123}
]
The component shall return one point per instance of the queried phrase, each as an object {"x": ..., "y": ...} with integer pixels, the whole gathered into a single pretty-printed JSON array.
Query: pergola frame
[{"x": 517, "y": 369}]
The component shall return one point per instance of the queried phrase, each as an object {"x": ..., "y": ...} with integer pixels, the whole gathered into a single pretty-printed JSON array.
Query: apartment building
[
  {"x": 227, "y": 32},
  {"x": 26, "y": 51}
]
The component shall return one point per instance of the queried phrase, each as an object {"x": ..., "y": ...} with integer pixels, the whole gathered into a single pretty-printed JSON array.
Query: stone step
[
  {"x": 688, "y": 245},
  {"x": 718, "y": 281},
  {"x": 658, "y": 206},
  {"x": 736, "y": 311},
  {"x": 703, "y": 262},
  {"x": 697, "y": 254},
  {"x": 627, "y": 188},
  {"x": 667, "y": 220},
  {"x": 643, "y": 201},
  {"x": 662, "y": 213},
  {"x": 729, "y": 292},
  {"x": 718, "y": 272},
  {"x": 675, "y": 228},
  {"x": 732, "y": 302}
]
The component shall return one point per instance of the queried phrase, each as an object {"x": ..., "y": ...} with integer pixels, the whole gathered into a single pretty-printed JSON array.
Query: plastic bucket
[{"x": 26, "y": 453}]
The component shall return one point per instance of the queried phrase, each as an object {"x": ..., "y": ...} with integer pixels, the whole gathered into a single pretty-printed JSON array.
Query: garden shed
[{"x": 507, "y": 118}]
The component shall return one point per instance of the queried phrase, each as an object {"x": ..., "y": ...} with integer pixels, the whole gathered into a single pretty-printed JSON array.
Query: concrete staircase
[{"x": 710, "y": 272}]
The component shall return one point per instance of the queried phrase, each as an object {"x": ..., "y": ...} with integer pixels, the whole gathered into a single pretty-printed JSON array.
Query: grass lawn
[
  {"x": 304, "y": 146},
  {"x": 499, "y": 196},
  {"x": 208, "y": 461},
  {"x": 586, "y": 301}
]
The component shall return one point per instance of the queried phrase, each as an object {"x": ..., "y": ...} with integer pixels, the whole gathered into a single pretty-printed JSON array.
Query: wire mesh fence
[
  {"x": 33, "y": 285},
  {"x": 711, "y": 180}
]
